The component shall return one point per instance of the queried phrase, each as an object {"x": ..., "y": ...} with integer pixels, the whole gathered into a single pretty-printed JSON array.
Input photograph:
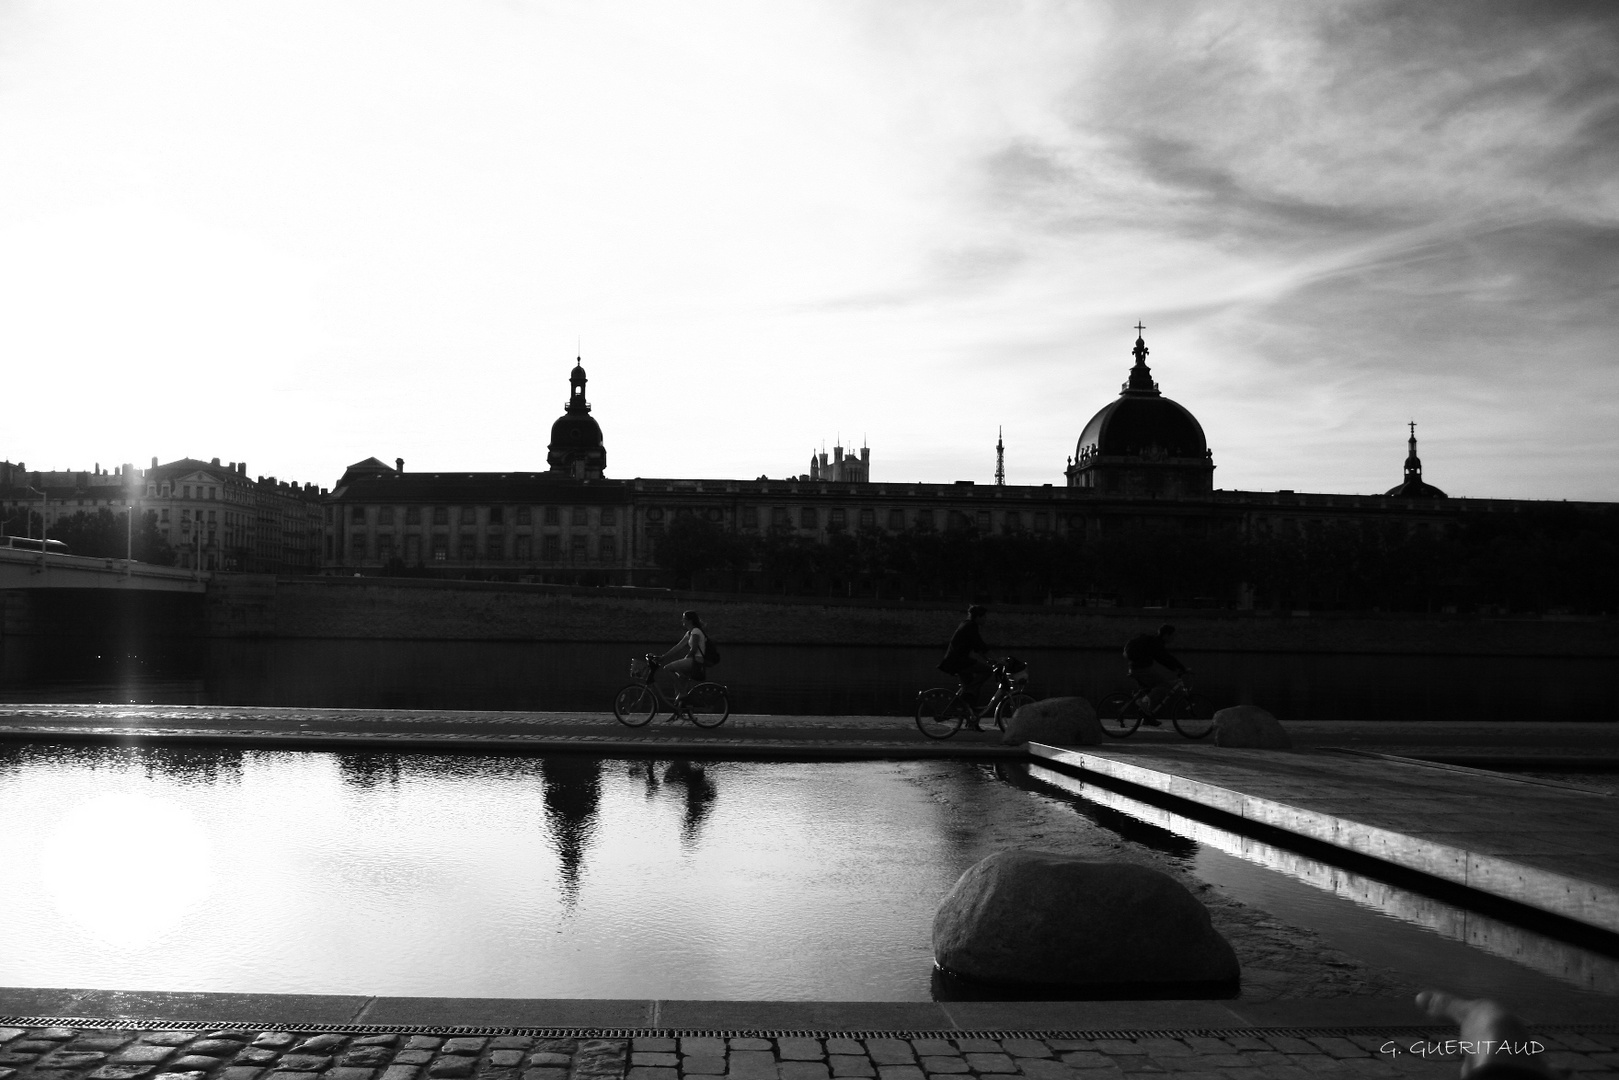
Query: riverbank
[{"x": 409, "y": 609}]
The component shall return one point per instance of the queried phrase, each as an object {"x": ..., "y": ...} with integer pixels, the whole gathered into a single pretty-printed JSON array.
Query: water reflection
[
  {"x": 699, "y": 793},
  {"x": 572, "y": 796},
  {"x": 1564, "y": 961},
  {"x": 367, "y": 771}
]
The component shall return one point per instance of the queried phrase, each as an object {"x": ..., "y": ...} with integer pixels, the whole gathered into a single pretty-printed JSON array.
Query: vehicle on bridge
[{"x": 28, "y": 543}]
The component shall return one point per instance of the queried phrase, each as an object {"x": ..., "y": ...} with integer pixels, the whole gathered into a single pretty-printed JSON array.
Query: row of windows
[
  {"x": 491, "y": 548},
  {"x": 809, "y": 517},
  {"x": 497, "y": 515},
  {"x": 204, "y": 491}
]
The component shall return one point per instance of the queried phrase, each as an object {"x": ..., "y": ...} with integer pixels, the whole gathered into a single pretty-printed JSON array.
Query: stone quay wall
[{"x": 406, "y": 609}]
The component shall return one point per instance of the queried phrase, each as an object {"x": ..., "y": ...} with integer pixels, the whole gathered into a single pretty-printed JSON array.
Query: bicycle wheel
[
  {"x": 1194, "y": 716},
  {"x": 1119, "y": 715},
  {"x": 939, "y": 713},
  {"x": 635, "y": 705},
  {"x": 708, "y": 704},
  {"x": 1010, "y": 704}
]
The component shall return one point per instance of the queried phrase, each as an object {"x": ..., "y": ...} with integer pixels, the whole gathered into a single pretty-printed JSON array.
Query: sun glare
[{"x": 127, "y": 868}]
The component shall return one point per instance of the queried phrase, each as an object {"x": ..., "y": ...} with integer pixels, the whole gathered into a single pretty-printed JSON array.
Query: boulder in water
[{"x": 1034, "y": 918}]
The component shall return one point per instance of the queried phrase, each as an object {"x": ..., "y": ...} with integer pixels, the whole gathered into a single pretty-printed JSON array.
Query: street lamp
[{"x": 44, "y": 524}]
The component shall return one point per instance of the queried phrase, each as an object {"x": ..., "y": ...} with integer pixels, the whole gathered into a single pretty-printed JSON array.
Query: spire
[
  {"x": 1000, "y": 460},
  {"x": 1413, "y": 464},
  {"x": 1140, "y": 381}
]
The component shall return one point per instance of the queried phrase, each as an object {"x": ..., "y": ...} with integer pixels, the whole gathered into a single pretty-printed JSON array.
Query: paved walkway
[{"x": 231, "y": 1052}]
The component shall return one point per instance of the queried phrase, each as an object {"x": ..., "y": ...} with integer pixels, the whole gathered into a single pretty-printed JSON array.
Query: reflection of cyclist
[
  {"x": 967, "y": 657},
  {"x": 1149, "y": 658},
  {"x": 691, "y": 649}
]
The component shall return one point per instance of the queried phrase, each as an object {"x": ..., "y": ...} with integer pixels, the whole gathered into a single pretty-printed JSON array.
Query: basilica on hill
[{"x": 1141, "y": 462}]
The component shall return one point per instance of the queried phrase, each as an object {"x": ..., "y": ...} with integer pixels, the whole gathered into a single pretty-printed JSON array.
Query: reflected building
[{"x": 572, "y": 797}]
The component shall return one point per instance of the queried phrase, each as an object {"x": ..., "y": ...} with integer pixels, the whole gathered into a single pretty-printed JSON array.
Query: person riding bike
[
  {"x": 692, "y": 649},
  {"x": 1149, "y": 658},
  {"x": 967, "y": 657}
]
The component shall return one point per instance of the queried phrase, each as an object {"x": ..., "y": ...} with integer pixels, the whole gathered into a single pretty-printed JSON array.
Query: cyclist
[
  {"x": 1148, "y": 655},
  {"x": 691, "y": 667},
  {"x": 967, "y": 657}
]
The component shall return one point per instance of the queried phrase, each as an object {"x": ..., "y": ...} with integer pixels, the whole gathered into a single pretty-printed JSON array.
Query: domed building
[
  {"x": 576, "y": 439},
  {"x": 1143, "y": 444}
]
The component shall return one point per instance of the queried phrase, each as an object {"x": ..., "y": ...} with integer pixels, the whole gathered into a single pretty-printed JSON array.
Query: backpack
[{"x": 711, "y": 652}]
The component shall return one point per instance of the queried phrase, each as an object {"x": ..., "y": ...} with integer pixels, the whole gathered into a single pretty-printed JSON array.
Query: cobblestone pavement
[{"x": 75, "y": 1053}]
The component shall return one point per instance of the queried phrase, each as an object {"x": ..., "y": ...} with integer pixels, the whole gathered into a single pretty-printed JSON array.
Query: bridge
[{"x": 31, "y": 570}]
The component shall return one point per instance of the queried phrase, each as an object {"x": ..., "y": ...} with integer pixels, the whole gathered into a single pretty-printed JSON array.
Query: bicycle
[
  {"x": 941, "y": 712},
  {"x": 706, "y": 704},
  {"x": 1122, "y": 713}
]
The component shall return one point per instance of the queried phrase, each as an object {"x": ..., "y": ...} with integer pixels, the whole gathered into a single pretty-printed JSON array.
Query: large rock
[
  {"x": 1250, "y": 726},
  {"x": 1036, "y": 918},
  {"x": 1059, "y": 721}
]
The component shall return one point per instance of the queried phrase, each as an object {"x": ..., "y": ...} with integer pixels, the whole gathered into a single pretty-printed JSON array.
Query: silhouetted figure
[
  {"x": 1150, "y": 662},
  {"x": 967, "y": 656}
]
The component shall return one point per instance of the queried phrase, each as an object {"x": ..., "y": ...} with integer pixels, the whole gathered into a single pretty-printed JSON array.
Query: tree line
[
  {"x": 99, "y": 533},
  {"x": 1546, "y": 559}
]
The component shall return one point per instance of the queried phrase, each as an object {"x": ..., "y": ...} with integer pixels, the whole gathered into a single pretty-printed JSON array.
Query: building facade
[
  {"x": 1142, "y": 465},
  {"x": 214, "y": 516}
]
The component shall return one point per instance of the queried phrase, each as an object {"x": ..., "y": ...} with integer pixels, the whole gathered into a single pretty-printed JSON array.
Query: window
[
  {"x": 581, "y": 515},
  {"x": 778, "y": 517},
  {"x": 714, "y": 513},
  {"x": 525, "y": 548},
  {"x": 151, "y": 490},
  {"x": 525, "y": 515},
  {"x": 469, "y": 549},
  {"x": 441, "y": 515},
  {"x": 983, "y": 520},
  {"x": 213, "y": 516},
  {"x": 469, "y": 515},
  {"x": 413, "y": 515},
  {"x": 166, "y": 493},
  {"x": 553, "y": 516},
  {"x": 654, "y": 513},
  {"x": 896, "y": 519},
  {"x": 187, "y": 491},
  {"x": 211, "y": 491},
  {"x": 358, "y": 544},
  {"x": 806, "y": 517},
  {"x": 385, "y": 547},
  {"x": 868, "y": 519},
  {"x": 551, "y": 548},
  {"x": 609, "y": 515},
  {"x": 1042, "y": 521},
  {"x": 605, "y": 548},
  {"x": 164, "y": 515},
  {"x": 750, "y": 517},
  {"x": 357, "y": 515},
  {"x": 494, "y": 547},
  {"x": 496, "y": 517},
  {"x": 578, "y": 547},
  {"x": 441, "y": 549},
  {"x": 836, "y": 518},
  {"x": 385, "y": 515},
  {"x": 413, "y": 549}
]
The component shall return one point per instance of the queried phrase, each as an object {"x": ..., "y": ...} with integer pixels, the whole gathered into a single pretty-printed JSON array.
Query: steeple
[
  {"x": 576, "y": 381},
  {"x": 1000, "y": 460},
  {"x": 1140, "y": 381},
  {"x": 1413, "y": 464}
]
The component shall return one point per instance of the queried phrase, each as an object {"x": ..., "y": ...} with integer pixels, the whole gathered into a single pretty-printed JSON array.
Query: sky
[{"x": 303, "y": 234}]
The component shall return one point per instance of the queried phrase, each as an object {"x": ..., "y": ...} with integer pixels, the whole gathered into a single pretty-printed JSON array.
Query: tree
[
  {"x": 691, "y": 545},
  {"x": 101, "y": 534}
]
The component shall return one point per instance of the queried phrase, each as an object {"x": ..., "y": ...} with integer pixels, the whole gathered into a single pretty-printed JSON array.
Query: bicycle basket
[
  {"x": 1017, "y": 671},
  {"x": 638, "y": 669}
]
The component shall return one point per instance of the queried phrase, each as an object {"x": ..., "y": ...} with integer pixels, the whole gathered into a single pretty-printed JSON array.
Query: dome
[
  {"x": 575, "y": 431},
  {"x": 1143, "y": 426}
]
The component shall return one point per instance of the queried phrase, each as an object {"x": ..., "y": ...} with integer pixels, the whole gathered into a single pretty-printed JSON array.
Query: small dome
[{"x": 576, "y": 431}]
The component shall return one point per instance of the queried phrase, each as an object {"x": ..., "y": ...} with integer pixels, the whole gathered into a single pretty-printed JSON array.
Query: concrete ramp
[{"x": 1543, "y": 845}]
